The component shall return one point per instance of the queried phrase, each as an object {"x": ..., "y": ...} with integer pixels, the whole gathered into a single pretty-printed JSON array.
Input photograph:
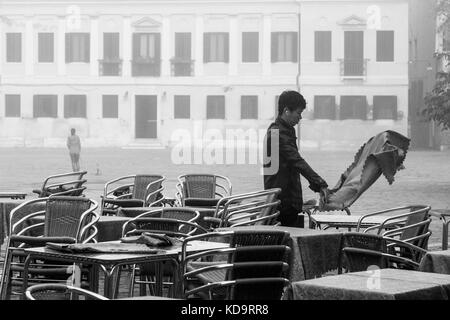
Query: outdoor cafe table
[
  {"x": 381, "y": 284},
  {"x": 313, "y": 252},
  {"x": 345, "y": 221},
  {"x": 436, "y": 261},
  {"x": 110, "y": 262}
]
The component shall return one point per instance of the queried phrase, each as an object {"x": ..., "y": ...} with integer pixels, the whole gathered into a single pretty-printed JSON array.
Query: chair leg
[
  {"x": 117, "y": 282},
  {"x": 132, "y": 279},
  {"x": 5, "y": 284}
]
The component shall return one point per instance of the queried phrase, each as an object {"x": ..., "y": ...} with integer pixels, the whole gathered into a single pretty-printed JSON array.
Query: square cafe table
[
  {"x": 378, "y": 284},
  {"x": 346, "y": 221},
  {"x": 313, "y": 252},
  {"x": 110, "y": 262}
]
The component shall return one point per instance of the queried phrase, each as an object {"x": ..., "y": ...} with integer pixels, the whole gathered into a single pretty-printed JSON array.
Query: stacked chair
[
  {"x": 138, "y": 190},
  {"x": 253, "y": 267},
  {"x": 64, "y": 219},
  {"x": 200, "y": 190},
  {"x": 65, "y": 184}
]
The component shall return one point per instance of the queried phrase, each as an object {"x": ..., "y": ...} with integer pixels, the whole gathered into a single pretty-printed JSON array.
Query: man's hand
[{"x": 325, "y": 192}]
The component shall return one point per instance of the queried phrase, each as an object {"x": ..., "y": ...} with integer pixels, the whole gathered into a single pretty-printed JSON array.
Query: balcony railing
[
  {"x": 146, "y": 67},
  {"x": 110, "y": 67},
  {"x": 181, "y": 67},
  {"x": 353, "y": 68}
]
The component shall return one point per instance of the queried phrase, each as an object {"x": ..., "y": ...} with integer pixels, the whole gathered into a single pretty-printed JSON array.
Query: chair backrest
[
  {"x": 200, "y": 186},
  {"x": 167, "y": 226},
  {"x": 253, "y": 208},
  {"x": 61, "y": 216},
  {"x": 66, "y": 184},
  {"x": 259, "y": 238},
  {"x": 414, "y": 228},
  {"x": 145, "y": 187},
  {"x": 203, "y": 186},
  {"x": 359, "y": 251},
  {"x": 55, "y": 291},
  {"x": 243, "y": 272}
]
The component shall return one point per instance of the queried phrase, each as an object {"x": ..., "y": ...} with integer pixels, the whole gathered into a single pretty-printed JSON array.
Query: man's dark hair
[{"x": 292, "y": 100}]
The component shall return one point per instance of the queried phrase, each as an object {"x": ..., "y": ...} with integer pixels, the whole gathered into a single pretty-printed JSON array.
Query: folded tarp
[{"x": 381, "y": 154}]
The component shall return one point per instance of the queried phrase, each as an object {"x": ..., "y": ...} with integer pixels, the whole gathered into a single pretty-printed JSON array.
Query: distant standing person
[
  {"x": 290, "y": 165},
  {"x": 74, "y": 146}
]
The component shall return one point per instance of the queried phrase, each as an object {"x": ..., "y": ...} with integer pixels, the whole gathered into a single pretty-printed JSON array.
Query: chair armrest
[{"x": 212, "y": 222}]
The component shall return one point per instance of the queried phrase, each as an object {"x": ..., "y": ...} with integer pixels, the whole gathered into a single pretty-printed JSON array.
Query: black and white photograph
[{"x": 224, "y": 158}]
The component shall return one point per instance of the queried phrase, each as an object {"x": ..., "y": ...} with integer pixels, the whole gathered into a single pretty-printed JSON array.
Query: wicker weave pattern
[
  {"x": 63, "y": 216},
  {"x": 200, "y": 186},
  {"x": 140, "y": 184},
  {"x": 259, "y": 238}
]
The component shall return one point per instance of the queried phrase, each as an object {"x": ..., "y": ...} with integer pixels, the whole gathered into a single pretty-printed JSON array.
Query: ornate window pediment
[
  {"x": 353, "y": 21},
  {"x": 146, "y": 23}
]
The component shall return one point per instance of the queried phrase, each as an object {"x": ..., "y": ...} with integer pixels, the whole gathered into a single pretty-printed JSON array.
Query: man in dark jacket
[{"x": 285, "y": 166}]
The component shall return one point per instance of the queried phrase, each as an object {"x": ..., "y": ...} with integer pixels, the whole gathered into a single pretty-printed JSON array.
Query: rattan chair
[
  {"x": 211, "y": 274},
  {"x": 55, "y": 291},
  {"x": 200, "y": 190},
  {"x": 64, "y": 220},
  {"x": 362, "y": 251},
  {"x": 65, "y": 184},
  {"x": 252, "y": 208},
  {"x": 139, "y": 190}
]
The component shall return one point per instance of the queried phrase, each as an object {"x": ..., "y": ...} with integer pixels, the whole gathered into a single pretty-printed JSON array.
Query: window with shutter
[
  {"x": 111, "y": 46},
  {"x": 250, "y": 46},
  {"x": 77, "y": 47},
  {"x": 45, "y": 47},
  {"x": 322, "y": 46},
  {"x": 215, "y": 107},
  {"x": 276, "y": 105},
  {"x": 110, "y": 104},
  {"x": 324, "y": 107},
  {"x": 353, "y": 107},
  {"x": 14, "y": 47},
  {"x": 385, "y": 107},
  {"x": 249, "y": 107},
  {"x": 215, "y": 47},
  {"x": 45, "y": 105},
  {"x": 181, "y": 107},
  {"x": 12, "y": 105},
  {"x": 75, "y": 106},
  {"x": 146, "y": 54},
  {"x": 385, "y": 45},
  {"x": 284, "y": 46}
]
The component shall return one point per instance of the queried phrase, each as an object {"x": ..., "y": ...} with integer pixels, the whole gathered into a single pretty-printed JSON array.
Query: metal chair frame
[
  {"x": 222, "y": 187},
  {"x": 52, "y": 183},
  {"x": 18, "y": 237},
  {"x": 74, "y": 291},
  {"x": 127, "y": 185}
]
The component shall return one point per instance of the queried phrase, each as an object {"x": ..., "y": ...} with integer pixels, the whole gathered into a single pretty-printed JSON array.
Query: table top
[
  {"x": 293, "y": 232},
  {"x": 119, "y": 258},
  {"x": 13, "y": 194},
  {"x": 375, "y": 284},
  {"x": 349, "y": 219}
]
